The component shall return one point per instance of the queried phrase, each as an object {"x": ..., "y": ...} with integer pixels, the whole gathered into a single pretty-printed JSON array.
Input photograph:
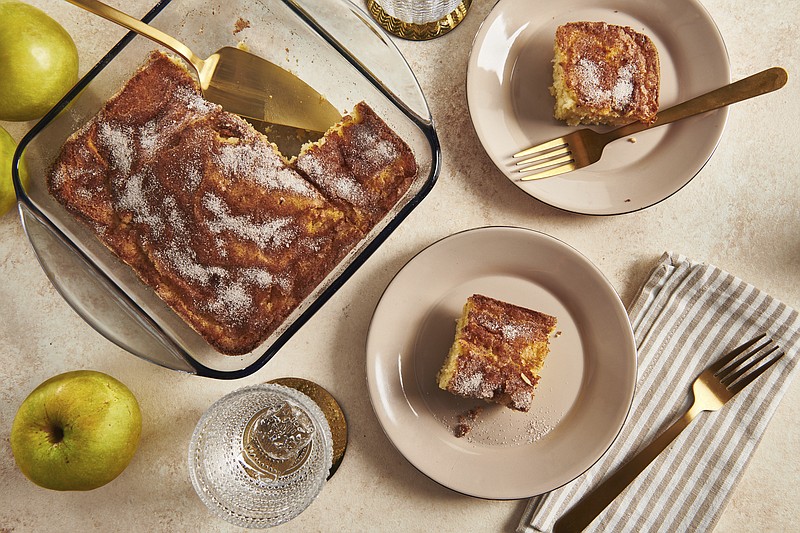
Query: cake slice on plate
[
  {"x": 604, "y": 74},
  {"x": 498, "y": 352}
]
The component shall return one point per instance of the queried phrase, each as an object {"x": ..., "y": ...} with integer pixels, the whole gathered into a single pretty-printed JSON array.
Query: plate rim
[
  {"x": 370, "y": 360},
  {"x": 724, "y": 114}
]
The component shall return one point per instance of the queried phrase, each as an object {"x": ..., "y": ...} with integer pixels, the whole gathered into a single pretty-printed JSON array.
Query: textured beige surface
[{"x": 741, "y": 213}]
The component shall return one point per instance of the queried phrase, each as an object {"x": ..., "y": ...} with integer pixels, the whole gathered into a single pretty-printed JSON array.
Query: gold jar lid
[
  {"x": 418, "y": 31},
  {"x": 330, "y": 407}
]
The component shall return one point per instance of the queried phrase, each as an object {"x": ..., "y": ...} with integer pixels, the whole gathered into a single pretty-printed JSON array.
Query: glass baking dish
[{"x": 333, "y": 46}]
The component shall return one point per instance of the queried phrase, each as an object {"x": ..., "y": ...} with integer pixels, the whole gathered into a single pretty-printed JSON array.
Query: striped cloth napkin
[{"x": 686, "y": 315}]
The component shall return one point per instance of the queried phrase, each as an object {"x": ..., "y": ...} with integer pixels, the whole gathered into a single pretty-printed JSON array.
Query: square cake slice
[
  {"x": 498, "y": 352},
  {"x": 604, "y": 74}
]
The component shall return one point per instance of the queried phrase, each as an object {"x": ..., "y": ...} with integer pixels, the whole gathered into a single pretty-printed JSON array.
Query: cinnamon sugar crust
[
  {"x": 498, "y": 352},
  {"x": 208, "y": 213},
  {"x": 604, "y": 74}
]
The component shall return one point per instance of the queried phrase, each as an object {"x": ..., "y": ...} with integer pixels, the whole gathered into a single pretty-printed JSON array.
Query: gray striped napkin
[{"x": 686, "y": 315}]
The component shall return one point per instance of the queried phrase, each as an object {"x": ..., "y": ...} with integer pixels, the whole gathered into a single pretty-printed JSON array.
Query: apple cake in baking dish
[{"x": 207, "y": 212}]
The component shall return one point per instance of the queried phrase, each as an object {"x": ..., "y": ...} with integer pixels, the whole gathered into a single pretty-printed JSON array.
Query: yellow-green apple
[
  {"x": 38, "y": 61},
  {"x": 76, "y": 431},
  {"x": 7, "y": 196}
]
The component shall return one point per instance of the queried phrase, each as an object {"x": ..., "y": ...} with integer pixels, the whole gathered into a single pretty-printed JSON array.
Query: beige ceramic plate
[
  {"x": 510, "y": 70},
  {"x": 586, "y": 387}
]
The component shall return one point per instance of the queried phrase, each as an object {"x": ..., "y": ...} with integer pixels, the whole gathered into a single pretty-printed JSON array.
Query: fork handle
[
  {"x": 763, "y": 82},
  {"x": 585, "y": 511}
]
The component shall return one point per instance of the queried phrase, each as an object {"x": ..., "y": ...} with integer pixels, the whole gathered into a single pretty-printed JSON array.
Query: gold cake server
[{"x": 239, "y": 81}]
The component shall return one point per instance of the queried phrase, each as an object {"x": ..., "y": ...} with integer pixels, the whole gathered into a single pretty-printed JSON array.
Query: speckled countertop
[{"x": 741, "y": 213}]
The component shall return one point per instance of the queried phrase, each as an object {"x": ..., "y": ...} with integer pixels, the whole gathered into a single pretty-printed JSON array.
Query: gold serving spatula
[{"x": 239, "y": 81}]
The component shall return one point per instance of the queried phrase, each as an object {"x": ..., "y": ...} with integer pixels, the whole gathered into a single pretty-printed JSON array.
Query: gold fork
[
  {"x": 718, "y": 383},
  {"x": 584, "y": 147}
]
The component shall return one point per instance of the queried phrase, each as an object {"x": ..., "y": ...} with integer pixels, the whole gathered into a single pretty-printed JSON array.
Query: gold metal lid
[
  {"x": 330, "y": 408},
  {"x": 418, "y": 32}
]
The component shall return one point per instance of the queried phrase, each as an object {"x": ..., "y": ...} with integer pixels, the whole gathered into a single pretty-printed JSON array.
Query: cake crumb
[
  {"x": 632, "y": 140},
  {"x": 240, "y": 25},
  {"x": 466, "y": 421}
]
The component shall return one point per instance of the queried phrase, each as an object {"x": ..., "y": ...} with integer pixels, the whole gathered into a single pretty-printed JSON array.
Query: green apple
[
  {"x": 38, "y": 61},
  {"x": 7, "y": 196},
  {"x": 76, "y": 431}
]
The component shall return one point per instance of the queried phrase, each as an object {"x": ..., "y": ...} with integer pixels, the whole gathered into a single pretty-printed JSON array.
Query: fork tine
[
  {"x": 542, "y": 147},
  {"x": 736, "y": 374},
  {"x": 550, "y": 172},
  {"x": 737, "y": 386},
  {"x": 736, "y": 361},
  {"x": 723, "y": 361},
  {"x": 534, "y": 163}
]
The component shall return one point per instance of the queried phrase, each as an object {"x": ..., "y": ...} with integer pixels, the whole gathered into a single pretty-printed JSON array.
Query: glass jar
[{"x": 260, "y": 455}]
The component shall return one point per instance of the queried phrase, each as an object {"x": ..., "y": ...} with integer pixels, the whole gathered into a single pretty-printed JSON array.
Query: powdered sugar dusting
[
  {"x": 622, "y": 92},
  {"x": 58, "y": 177},
  {"x": 589, "y": 76},
  {"x": 521, "y": 398},
  {"x": 149, "y": 138},
  {"x": 376, "y": 150},
  {"x": 174, "y": 216},
  {"x": 314, "y": 244},
  {"x": 155, "y": 135},
  {"x": 335, "y": 182},
  {"x": 220, "y": 244},
  {"x": 119, "y": 141},
  {"x": 469, "y": 384},
  {"x": 184, "y": 260},
  {"x": 264, "y": 166},
  {"x": 85, "y": 193},
  {"x": 195, "y": 102},
  {"x": 133, "y": 198},
  {"x": 259, "y": 276},
  {"x": 510, "y": 331},
  {"x": 275, "y": 233},
  {"x": 515, "y": 331},
  {"x": 192, "y": 178},
  {"x": 347, "y": 188},
  {"x": 506, "y": 431},
  {"x": 232, "y": 301},
  {"x": 85, "y": 173}
]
